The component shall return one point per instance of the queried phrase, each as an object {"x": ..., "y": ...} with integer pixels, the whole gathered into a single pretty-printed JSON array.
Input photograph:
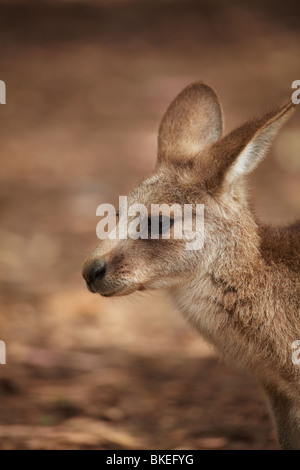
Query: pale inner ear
[
  {"x": 192, "y": 122},
  {"x": 254, "y": 152}
]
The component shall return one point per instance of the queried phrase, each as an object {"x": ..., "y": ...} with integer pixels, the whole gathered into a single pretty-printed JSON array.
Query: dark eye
[{"x": 157, "y": 225}]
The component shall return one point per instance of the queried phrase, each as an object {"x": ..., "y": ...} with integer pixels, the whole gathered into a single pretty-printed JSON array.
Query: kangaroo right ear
[
  {"x": 192, "y": 122},
  {"x": 240, "y": 151}
]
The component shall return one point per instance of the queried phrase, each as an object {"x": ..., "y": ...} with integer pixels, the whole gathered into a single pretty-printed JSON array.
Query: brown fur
[{"x": 242, "y": 290}]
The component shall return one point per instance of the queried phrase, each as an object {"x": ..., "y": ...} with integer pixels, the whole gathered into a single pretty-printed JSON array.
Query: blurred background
[{"x": 87, "y": 83}]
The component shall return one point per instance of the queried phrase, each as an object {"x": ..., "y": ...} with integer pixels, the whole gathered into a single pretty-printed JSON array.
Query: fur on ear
[
  {"x": 192, "y": 122},
  {"x": 239, "y": 152}
]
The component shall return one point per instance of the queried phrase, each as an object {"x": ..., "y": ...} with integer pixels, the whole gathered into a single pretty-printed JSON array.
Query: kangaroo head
[{"x": 196, "y": 165}]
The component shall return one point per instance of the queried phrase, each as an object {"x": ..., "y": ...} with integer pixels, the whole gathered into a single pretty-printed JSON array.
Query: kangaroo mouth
[
  {"x": 94, "y": 290},
  {"x": 120, "y": 290},
  {"x": 117, "y": 293}
]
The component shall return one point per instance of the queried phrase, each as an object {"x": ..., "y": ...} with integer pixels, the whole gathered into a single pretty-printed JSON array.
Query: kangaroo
[{"x": 241, "y": 290}]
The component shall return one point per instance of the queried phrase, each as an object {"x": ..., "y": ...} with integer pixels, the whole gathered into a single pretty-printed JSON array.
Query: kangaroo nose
[{"x": 94, "y": 271}]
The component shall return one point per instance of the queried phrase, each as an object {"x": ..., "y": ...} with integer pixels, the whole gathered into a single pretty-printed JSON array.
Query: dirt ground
[{"x": 87, "y": 84}]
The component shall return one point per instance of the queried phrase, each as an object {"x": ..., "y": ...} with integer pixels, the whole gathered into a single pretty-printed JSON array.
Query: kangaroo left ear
[
  {"x": 239, "y": 152},
  {"x": 192, "y": 122}
]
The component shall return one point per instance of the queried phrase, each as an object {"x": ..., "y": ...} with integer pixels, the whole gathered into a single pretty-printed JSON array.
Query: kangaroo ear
[
  {"x": 239, "y": 152},
  {"x": 192, "y": 121}
]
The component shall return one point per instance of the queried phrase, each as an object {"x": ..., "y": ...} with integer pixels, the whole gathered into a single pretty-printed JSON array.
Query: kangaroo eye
[{"x": 157, "y": 225}]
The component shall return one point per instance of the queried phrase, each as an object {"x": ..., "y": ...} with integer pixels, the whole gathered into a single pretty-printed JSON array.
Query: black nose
[{"x": 94, "y": 271}]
